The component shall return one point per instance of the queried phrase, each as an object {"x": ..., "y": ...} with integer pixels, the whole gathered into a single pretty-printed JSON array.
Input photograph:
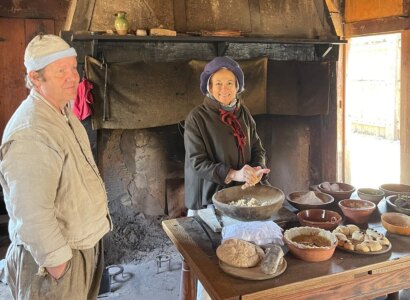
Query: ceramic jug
[{"x": 121, "y": 23}]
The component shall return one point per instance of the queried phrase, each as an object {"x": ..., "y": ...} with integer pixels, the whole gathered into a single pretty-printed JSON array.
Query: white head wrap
[{"x": 45, "y": 49}]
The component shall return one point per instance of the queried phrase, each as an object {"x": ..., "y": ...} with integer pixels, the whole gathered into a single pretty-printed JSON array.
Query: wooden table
[{"x": 345, "y": 275}]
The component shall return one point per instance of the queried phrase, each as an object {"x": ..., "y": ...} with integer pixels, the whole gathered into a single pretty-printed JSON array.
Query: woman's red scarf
[{"x": 229, "y": 118}]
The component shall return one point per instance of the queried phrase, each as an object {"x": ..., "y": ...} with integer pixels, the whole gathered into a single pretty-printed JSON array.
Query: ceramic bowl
[
  {"x": 271, "y": 196},
  {"x": 321, "y": 250},
  {"x": 391, "y": 202},
  {"x": 395, "y": 189},
  {"x": 292, "y": 200},
  {"x": 396, "y": 223},
  {"x": 369, "y": 194},
  {"x": 346, "y": 192},
  {"x": 357, "y": 211},
  {"x": 321, "y": 218}
]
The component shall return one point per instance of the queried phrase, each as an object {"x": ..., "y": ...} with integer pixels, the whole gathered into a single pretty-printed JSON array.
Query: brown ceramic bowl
[
  {"x": 395, "y": 189},
  {"x": 271, "y": 196},
  {"x": 396, "y": 223},
  {"x": 292, "y": 200},
  {"x": 306, "y": 252},
  {"x": 369, "y": 194},
  {"x": 357, "y": 211},
  {"x": 391, "y": 202},
  {"x": 346, "y": 192},
  {"x": 321, "y": 218}
]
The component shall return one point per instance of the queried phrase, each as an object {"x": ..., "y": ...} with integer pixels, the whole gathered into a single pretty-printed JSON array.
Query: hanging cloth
[
  {"x": 84, "y": 99},
  {"x": 229, "y": 118}
]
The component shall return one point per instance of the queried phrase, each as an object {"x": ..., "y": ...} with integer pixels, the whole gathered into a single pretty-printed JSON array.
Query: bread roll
[
  {"x": 374, "y": 246},
  {"x": 383, "y": 241},
  {"x": 342, "y": 229},
  {"x": 373, "y": 233},
  {"x": 358, "y": 236},
  {"x": 362, "y": 247},
  {"x": 239, "y": 253},
  {"x": 341, "y": 238},
  {"x": 348, "y": 245},
  {"x": 352, "y": 228}
]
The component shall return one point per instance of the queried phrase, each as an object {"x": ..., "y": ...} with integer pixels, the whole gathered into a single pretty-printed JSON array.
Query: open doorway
[{"x": 372, "y": 124}]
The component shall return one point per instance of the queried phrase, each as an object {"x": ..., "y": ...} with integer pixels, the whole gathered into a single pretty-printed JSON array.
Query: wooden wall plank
[
  {"x": 79, "y": 15},
  {"x": 12, "y": 68},
  {"x": 405, "y": 109},
  {"x": 359, "y": 10},
  {"x": 180, "y": 16},
  {"x": 16, "y": 33},
  {"x": 35, "y": 26}
]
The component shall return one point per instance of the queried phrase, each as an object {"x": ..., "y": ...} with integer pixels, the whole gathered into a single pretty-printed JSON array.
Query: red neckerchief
[{"x": 229, "y": 118}]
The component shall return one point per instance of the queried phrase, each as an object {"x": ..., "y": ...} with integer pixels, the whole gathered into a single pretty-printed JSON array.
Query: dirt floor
[
  {"x": 134, "y": 244},
  {"x": 140, "y": 280}
]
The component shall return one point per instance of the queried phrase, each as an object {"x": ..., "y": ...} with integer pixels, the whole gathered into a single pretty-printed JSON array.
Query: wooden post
[{"x": 187, "y": 290}]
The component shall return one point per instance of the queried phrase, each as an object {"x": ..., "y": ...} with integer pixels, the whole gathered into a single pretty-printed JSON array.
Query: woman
[{"x": 221, "y": 143}]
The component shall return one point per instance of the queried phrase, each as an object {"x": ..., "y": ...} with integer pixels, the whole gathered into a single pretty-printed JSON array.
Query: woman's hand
[{"x": 247, "y": 174}]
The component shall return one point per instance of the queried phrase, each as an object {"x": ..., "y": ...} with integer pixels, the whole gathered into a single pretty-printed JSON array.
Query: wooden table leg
[{"x": 187, "y": 290}]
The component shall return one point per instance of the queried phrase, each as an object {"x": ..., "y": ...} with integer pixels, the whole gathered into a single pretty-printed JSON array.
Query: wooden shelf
[
  {"x": 199, "y": 39},
  {"x": 322, "y": 46}
]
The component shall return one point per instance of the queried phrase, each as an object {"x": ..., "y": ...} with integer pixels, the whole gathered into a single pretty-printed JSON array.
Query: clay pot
[
  {"x": 321, "y": 218},
  {"x": 121, "y": 24},
  {"x": 326, "y": 198},
  {"x": 396, "y": 223},
  {"x": 357, "y": 211},
  {"x": 369, "y": 194},
  {"x": 395, "y": 189},
  {"x": 310, "y": 253},
  {"x": 346, "y": 192}
]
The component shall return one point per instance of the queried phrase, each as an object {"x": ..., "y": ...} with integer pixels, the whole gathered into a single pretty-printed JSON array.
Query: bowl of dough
[
  {"x": 310, "y": 244},
  {"x": 338, "y": 190},
  {"x": 258, "y": 202},
  {"x": 309, "y": 200}
]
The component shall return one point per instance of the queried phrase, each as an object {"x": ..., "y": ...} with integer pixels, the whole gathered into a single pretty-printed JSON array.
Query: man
[{"x": 53, "y": 192}]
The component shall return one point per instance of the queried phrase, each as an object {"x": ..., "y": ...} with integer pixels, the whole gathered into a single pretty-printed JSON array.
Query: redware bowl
[
  {"x": 345, "y": 193},
  {"x": 369, "y": 194},
  {"x": 310, "y": 253},
  {"x": 396, "y": 223},
  {"x": 395, "y": 189},
  {"x": 358, "y": 211},
  {"x": 292, "y": 200},
  {"x": 321, "y": 218}
]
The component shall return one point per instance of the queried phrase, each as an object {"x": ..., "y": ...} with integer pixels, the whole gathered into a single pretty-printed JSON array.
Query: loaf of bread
[
  {"x": 272, "y": 260},
  {"x": 239, "y": 253}
]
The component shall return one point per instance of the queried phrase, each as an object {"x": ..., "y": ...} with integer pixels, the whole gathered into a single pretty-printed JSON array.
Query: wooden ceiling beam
[{"x": 377, "y": 26}]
